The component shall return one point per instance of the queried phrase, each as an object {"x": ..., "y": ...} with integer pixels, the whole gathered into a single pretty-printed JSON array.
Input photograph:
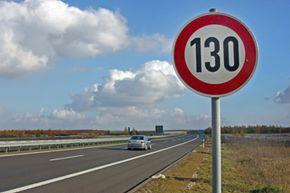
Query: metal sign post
[
  {"x": 216, "y": 142},
  {"x": 216, "y": 145},
  {"x": 215, "y": 55}
]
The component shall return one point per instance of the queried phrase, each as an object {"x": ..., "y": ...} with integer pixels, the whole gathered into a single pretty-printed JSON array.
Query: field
[{"x": 248, "y": 166}]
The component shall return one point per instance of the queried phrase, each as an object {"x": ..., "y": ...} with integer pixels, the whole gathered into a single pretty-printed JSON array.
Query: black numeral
[
  {"x": 198, "y": 53},
  {"x": 214, "y": 53},
  {"x": 213, "y": 67},
  {"x": 236, "y": 64}
]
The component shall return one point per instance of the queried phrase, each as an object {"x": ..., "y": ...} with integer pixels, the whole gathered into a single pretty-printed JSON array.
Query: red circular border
[{"x": 215, "y": 89}]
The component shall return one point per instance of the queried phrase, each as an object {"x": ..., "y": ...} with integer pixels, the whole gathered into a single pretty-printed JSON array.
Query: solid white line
[
  {"x": 90, "y": 170},
  {"x": 63, "y": 158}
]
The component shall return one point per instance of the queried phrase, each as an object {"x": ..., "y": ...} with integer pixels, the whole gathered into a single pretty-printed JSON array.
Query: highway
[{"x": 112, "y": 169}]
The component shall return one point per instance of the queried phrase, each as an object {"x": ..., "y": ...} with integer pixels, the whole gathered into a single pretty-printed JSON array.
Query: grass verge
[{"x": 247, "y": 167}]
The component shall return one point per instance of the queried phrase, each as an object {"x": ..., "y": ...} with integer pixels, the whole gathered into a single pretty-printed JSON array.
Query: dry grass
[
  {"x": 247, "y": 167},
  {"x": 263, "y": 164},
  {"x": 180, "y": 178}
]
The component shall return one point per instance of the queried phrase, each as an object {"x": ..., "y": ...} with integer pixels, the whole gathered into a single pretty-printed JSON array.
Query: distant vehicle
[{"x": 139, "y": 142}]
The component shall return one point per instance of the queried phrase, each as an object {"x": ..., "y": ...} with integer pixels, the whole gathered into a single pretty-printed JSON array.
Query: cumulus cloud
[
  {"x": 153, "y": 82},
  {"x": 34, "y": 33},
  {"x": 283, "y": 96},
  {"x": 44, "y": 119},
  {"x": 23, "y": 120},
  {"x": 15, "y": 59},
  {"x": 65, "y": 114},
  {"x": 131, "y": 98},
  {"x": 148, "y": 117},
  {"x": 115, "y": 118}
]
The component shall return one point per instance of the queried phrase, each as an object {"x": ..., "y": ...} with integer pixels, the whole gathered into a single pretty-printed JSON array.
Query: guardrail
[{"x": 8, "y": 146}]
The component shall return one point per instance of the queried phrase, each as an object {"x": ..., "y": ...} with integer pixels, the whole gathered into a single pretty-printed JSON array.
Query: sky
[{"x": 107, "y": 64}]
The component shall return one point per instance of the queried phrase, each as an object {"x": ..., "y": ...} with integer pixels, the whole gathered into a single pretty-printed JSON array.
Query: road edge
[{"x": 149, "y": 179}]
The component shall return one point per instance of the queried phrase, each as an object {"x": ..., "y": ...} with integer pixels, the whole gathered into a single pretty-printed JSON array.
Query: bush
[{"x": 267, "y": 189}]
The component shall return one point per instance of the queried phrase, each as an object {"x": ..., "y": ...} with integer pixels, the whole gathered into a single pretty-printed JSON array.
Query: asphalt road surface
[{"x": 112, "y": 169}]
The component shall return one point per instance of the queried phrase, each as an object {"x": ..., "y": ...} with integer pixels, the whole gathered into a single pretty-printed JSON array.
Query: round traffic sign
[{"x": 215, "y": 54}]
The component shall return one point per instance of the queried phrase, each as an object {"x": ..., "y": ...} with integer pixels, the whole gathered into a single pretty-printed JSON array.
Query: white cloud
[
  {"x": 283, "y": 96},
  {"x": 15, "y": 60},
  {"x": 34, "y": 33},
  {"x": 130, "y": 98},
  {"x": 153, "y": 42},
  {"x": 24, "y": 120},
  {"x": 70, "y": 115},
  {"x": 148, "y": 117},
  {"x": 115, "y": 118},
  {"x": 27, "y": 117},
  {"x": 155, "y": 81},
  {"x": 43, "y": 119}
]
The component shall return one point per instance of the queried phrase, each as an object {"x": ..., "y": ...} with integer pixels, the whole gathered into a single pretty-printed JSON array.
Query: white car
[{"x": 139, "y": 142}]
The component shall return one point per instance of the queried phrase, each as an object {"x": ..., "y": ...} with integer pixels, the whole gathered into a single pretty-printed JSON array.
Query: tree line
[
  {"x": 251, "y": 129},
  {"x": 52, "y": 133}
]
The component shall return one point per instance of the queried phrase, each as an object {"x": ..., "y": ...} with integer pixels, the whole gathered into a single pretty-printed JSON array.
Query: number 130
[{"x": 215, "y": 53}]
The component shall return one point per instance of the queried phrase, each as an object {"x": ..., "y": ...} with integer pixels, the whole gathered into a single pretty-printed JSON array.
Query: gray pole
[
  {"x": 216, "y": 141},
  {"x": 216, "y": 145}
]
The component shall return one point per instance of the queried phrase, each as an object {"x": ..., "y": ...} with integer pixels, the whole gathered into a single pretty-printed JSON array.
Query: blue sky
[{"x": 108, "y": 65}]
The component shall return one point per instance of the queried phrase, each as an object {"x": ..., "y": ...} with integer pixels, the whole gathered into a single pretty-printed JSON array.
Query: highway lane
[{"x": 19, "y": 171}]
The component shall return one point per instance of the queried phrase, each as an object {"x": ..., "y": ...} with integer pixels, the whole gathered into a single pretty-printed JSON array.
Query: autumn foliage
[{"x": 52, "y": 133}]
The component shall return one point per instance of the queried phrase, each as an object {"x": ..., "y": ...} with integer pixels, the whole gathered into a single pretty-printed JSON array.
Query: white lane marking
[
  {"x": 38, "y": 184},
  {"x": 63, "y": 158}
]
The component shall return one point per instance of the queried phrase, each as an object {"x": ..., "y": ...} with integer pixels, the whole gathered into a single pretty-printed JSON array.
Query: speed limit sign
[{"x": 215, "y": 54}]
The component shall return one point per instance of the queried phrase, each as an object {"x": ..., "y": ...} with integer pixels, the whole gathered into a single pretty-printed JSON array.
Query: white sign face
[{"x": 214, "y": 54}]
